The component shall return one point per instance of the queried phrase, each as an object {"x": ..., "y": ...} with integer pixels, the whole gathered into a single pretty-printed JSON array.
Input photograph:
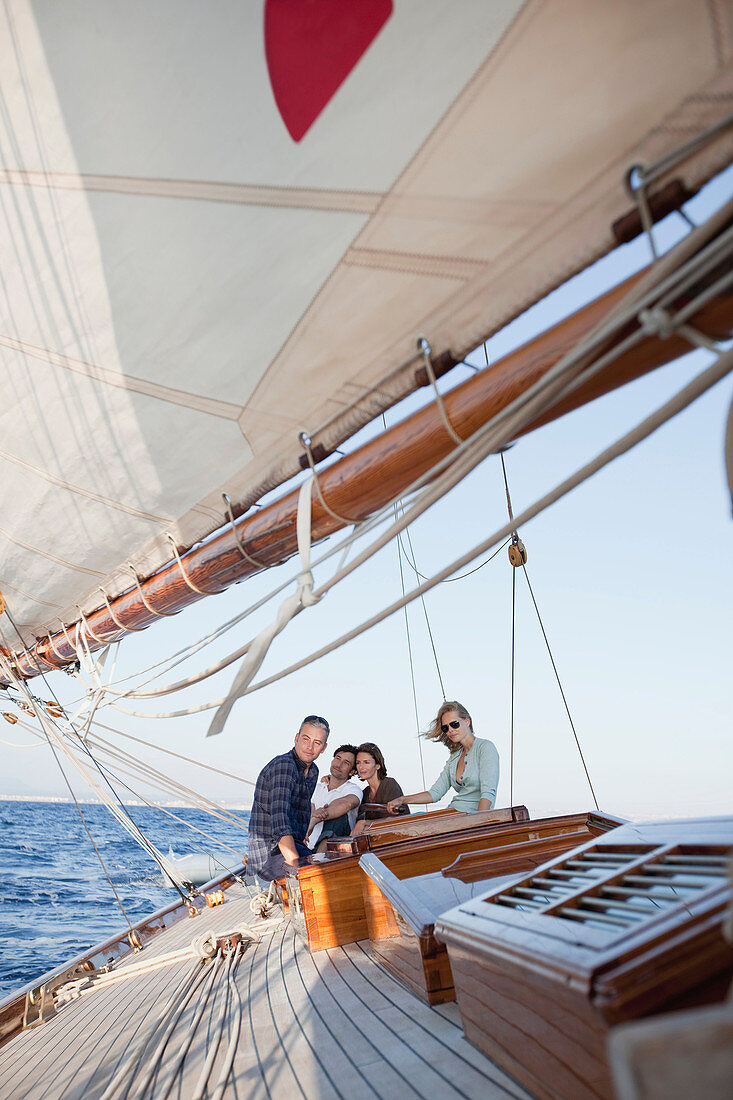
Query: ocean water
[{"x": 55, "y": 901}]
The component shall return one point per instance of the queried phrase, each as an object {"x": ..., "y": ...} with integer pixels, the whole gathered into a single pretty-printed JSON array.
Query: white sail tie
[{"x": 289, "y": 608}]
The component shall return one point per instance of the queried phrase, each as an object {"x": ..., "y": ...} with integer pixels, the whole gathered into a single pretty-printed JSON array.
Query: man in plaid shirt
[{"x": 281, "y": 807}]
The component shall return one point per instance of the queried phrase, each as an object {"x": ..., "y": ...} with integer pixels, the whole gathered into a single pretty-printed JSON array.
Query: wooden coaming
[
  {"x": 538, "y": 990},
  {"x": 401, "y": 911},
  {"x": 393, "y": 830},
  {"x": 331, "y": 890},
  {"x": 547, "y": 838}
]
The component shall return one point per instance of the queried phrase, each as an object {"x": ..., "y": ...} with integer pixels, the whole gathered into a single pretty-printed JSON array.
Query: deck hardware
[
  {"x": 228, "y": 942},
  {"x": 134, "y": 940},
  {"x": 214, "y": 898},
  {"x": 517, "y": 552},
  {"x": 12, "y": 718},
  {"x": 39, "y": 1007}
]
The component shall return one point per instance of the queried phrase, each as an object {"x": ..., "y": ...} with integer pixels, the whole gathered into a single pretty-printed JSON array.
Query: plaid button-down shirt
[{"x": 281, "y": 807}]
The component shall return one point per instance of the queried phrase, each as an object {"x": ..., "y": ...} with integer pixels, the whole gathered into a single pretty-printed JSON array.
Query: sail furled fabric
[{"x": 220, "y": 226}]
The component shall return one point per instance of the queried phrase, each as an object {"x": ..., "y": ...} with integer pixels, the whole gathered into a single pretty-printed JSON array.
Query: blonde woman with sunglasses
[{"x": 472, "y": 769}]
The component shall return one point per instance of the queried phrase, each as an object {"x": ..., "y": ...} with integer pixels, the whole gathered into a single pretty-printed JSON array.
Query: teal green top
[{"x": 479, "y": 780}]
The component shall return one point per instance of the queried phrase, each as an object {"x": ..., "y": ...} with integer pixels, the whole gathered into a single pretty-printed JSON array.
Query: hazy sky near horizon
[{"x": 632, "y": 575}]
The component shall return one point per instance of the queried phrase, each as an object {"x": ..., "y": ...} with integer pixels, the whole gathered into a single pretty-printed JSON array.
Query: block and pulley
[{"x": 517, "y": 552}]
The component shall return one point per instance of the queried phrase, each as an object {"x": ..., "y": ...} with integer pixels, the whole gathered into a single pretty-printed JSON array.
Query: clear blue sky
[{"x": 632, "y": 573}]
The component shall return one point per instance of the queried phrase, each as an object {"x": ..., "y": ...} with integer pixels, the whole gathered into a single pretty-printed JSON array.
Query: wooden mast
[{"x": 360, "y": 483}]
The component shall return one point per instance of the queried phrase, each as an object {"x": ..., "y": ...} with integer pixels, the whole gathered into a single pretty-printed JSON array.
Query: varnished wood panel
[
  {"x": 519, "y": 1025},
  {"x": 405, "y": 909},
  {"x": 538, "y": 988},
  {"x": 331, "y": 890},
  {"x": 393, "y": 830}
]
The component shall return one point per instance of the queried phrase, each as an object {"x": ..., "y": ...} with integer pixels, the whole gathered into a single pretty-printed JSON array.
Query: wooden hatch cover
[
  {"x": 627, "y": 925},
  {"x": 401, "y": 909}
]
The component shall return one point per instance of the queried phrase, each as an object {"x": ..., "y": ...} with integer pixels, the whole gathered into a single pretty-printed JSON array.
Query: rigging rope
[
  {"x": 412, "y": 663},
  {"x": 511, "y": 696},
  {"x": 218, "y": 959},
  {"x": 157, "y": 779},
  {"x": 120, "y": 811},
  {"x": 289, "y": 608},
  {"x": 425, "y": 612},
  {"x": 670, "y": 275},
  {"x": 523, "y": 562},
  {"x": 557, "y": 677},
  {"x": 6, "y": 668},
  {"x": 689, "y": 393}
]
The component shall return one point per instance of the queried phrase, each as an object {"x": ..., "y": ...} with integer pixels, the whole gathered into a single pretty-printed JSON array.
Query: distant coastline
[{"x": 231, "y": 804}]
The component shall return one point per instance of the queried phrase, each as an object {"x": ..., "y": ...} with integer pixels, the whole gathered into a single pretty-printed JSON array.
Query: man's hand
[
  {"x": 394, "y": 804},
  {"x": 321, "y": 814},
  {"x": 289, "y": 852}
]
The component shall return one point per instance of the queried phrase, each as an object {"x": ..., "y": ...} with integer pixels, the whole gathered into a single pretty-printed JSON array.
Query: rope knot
[
  {"x": 656, "y": 322},
  {"x": 305, "y": 589},
  {"x": 204, "y": 945}
]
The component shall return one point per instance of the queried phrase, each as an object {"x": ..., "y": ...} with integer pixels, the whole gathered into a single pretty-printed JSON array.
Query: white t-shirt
[{"x": 322, "y": 797}]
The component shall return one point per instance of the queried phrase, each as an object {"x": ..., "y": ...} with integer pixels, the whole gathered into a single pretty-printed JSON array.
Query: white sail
[{"x": 212, "y": 237}]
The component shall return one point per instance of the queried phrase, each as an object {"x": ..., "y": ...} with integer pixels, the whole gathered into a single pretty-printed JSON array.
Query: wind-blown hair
[
  {"x": 435, "y": 733},
  {"x": 376, "y": 752}
]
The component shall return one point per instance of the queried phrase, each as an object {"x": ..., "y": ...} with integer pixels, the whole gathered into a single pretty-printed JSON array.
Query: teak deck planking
[{"x": 329, "y": 1027}]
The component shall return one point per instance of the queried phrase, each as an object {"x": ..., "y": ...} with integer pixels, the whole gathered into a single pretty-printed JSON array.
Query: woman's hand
[{"x": 394, "y": 804}]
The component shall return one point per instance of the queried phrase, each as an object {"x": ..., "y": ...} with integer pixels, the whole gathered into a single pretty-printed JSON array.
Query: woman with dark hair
[
  {"x": 380, "y": 787},
  {"x": 472, "y": 769}
]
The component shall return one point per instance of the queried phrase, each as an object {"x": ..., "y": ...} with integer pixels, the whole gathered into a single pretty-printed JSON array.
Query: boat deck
[{"x": 330, "y": 1025}]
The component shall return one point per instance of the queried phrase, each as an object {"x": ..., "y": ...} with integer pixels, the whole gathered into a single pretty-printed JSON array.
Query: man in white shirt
[{"x": 335, "y": 800}]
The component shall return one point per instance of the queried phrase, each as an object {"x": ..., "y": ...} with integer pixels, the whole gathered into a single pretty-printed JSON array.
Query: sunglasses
[{"x": 451, "y": 725}]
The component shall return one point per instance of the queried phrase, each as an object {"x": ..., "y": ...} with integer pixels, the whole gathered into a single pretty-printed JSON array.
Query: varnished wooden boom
[{"x": 360, "y": 483}]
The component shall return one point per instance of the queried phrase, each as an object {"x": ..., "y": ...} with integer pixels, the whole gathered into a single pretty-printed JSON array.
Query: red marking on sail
[{"x": 311, "y": 47}]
